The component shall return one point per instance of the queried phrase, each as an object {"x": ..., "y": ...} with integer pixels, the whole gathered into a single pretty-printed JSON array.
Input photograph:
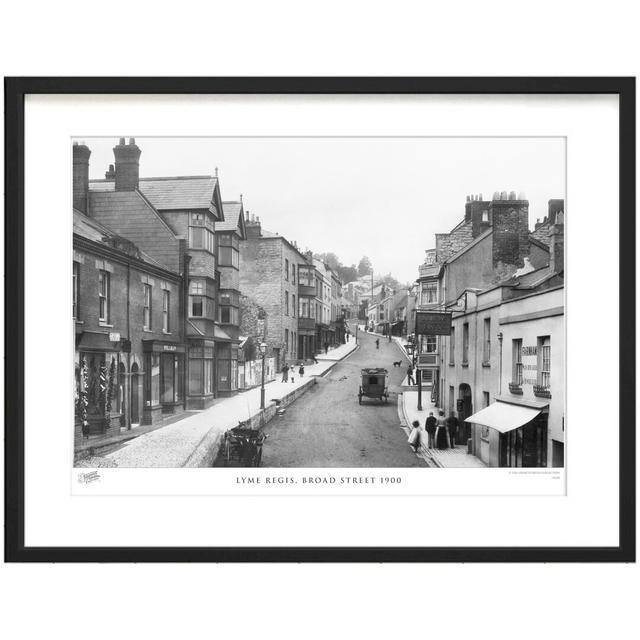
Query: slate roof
[
  {"x": 92, "y": 230},
  {"x": 172, "y": 193},
  {"x": 231, "y": 220},
  {"x": 130, "y": 215}
]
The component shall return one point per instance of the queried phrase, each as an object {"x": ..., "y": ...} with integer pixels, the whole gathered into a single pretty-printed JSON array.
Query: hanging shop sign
[{"x": 433, "y": 323}]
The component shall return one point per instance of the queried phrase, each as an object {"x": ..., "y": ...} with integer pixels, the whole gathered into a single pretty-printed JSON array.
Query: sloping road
[{"x": 328, "y": 428}]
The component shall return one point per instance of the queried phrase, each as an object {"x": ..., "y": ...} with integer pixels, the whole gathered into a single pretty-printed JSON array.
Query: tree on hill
[{"x": 364, "y": 266}]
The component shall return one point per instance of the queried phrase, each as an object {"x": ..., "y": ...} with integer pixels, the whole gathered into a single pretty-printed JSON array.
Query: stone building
[
  {"x": 130, "y": 349},
  {"x": 491, "y": 243},
  {"x": 173, "y": 220},
  {"x": 269, "y": 276},
  {"x": 500, "y": 351}
]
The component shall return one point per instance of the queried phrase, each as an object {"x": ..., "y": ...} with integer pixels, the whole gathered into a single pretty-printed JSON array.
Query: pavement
[
  {"x": 174, "y": 445},
  {"x": 329, "y": 428},
  {"x": 454, "y": 458}
]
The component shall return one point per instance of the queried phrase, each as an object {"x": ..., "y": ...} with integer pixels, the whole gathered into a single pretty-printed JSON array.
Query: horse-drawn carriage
[{"x": 374, "y": 384}]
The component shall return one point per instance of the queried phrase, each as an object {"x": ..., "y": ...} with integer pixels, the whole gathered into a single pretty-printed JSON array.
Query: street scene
[{"x": 340, "y": 326}]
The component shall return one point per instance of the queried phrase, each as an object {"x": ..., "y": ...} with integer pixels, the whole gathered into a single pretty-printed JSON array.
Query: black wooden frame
[{"x": 15, "y": 91}]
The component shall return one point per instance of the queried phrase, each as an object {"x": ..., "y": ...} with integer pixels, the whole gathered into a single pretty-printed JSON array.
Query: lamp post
[
  {"x": 263, "y": 351},
  {"x": 500, "y": 337}
]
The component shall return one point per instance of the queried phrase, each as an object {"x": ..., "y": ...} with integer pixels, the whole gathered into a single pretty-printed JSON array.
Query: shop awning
[
  {"x": 94, "y": 341},
  {"x": 503, "y": 416}
]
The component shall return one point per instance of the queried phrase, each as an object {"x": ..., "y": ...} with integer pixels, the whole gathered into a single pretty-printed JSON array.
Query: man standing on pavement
[
  {"x": 430, "y": 427},
  {"x": 285, "y": 372},
  {"x": 410, "y": 379},
  {"x": 452, "y": 428},
  {"x": 326, "y": 348},
  {"x": 377, "y": 343}
]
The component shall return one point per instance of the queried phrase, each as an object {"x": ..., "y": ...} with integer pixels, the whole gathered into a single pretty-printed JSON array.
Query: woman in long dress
[{"x": 441, "y": 432}]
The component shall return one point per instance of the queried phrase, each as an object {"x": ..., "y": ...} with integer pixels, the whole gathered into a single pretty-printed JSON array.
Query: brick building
[
  {"x": 130, "y": 350},
  {"x": 173, "y": 220},
  {"x": 269, "y": 276}
]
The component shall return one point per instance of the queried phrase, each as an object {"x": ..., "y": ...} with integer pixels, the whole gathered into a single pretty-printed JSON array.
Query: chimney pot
[
  {"x": 132, "y": 141},
  {"x": 512, "y": 195},
  {"x": 122, "y": 141}
]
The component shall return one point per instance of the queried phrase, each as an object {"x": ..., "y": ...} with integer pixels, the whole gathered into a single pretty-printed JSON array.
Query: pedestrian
[
  {"x": 410, "y": 379},
  {"x": 441, "y": 432},
  {"x": 315, "y": 360},
  {"x": 377, "y": 343},
  {"x": 301, "y": 370},
  {"x": 389, "y": 336},
  {"x": 285, "y": 372},
  {"x": 452, "y": 428},
  {"x": 292, "y": 372},
  {"x": 326, "y": 347},
  {"x": 414, "y": 436},
  {"x": 430, "y": 427}
]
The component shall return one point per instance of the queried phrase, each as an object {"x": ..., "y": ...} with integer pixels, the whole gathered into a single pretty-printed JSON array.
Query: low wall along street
[{"x": 207, "y": 449}]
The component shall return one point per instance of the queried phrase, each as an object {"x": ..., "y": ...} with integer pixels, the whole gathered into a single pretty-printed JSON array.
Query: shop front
[
  {"x": 98, "y": 381},
  {"x": 201, "y": 378},
  {"x": 164, "y": 379},
  {"x": 513, "y": 435}
]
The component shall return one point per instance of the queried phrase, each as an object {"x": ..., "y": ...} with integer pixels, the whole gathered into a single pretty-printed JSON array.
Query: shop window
[
  {"x": 104, "y": 294},
  {"x": 166, "y": 313},
  {"x": 201, "y": 370},
  {"x": 76, "y": 282},
  {"x": 152, "y": 389},
  {"x": 146, "y": 313}
]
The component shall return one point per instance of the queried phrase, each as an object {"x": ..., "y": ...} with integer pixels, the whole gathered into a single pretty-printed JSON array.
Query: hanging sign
[{"x": 433, "y": 323}]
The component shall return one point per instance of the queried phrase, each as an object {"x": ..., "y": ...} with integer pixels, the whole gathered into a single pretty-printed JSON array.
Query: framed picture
[{"x": 320, "y": 319}]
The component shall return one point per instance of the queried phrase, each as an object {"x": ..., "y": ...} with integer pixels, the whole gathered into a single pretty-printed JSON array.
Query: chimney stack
[
  {"x": 127, "y": 165},
  {"x": 81, "y": 154},
  {"x": 254, "y": 229},
  {"x": 556, "y": 244}
]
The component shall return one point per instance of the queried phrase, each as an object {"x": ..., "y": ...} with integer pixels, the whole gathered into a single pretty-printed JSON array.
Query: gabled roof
[
  {"x": 233, "y": 218},
  {"x": 171, "y": 193},
  {"x": 85, "y": 227}
]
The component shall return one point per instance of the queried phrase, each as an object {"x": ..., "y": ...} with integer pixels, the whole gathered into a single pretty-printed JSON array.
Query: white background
[{"x": 325, "y": 601}]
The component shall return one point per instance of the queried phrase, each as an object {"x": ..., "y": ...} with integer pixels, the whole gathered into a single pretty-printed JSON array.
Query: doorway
[
  {"x": 465, "y": 409},
  {"x": 135, "y": 395}
]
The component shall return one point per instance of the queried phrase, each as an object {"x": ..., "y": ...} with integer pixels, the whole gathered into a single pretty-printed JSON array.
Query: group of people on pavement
[
  {"x": 441, "y": 431},
  {"x": 289, "y": 371}
]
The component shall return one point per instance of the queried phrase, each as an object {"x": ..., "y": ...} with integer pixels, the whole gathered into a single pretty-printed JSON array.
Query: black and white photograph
[{"x": 318, "y": 302}]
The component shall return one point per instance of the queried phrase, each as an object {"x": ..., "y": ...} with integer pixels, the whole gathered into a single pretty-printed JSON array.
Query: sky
[{"x": 380, "y": 197}]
